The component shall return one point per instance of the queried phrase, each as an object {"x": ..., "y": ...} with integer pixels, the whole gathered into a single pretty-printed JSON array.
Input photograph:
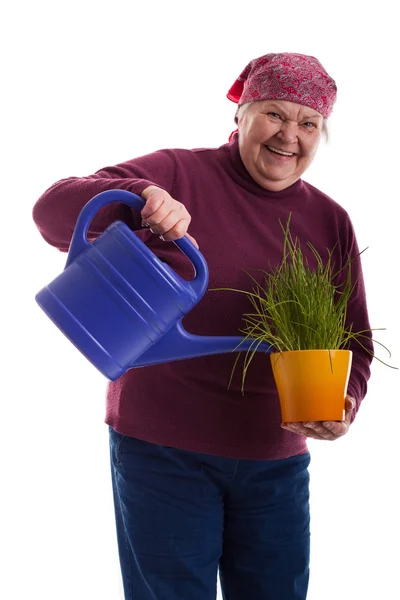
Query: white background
[{"x": 89, "y": 84}]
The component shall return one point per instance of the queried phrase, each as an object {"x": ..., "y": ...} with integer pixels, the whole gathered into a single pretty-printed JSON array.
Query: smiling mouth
[{"x": 274, "y": 150}]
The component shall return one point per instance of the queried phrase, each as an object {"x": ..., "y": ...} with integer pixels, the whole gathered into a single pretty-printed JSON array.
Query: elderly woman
[{"x": 203, "y": 477}]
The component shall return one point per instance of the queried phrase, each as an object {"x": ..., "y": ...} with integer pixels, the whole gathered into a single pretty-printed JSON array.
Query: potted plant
[{"x": 301, "y": 312}]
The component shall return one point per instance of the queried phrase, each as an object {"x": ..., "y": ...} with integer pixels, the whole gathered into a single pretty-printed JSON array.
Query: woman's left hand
[{"x": 324, "y": 430}]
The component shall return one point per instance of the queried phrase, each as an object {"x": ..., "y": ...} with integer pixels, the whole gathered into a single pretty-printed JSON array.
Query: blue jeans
[{"x": 182, "y": 515}]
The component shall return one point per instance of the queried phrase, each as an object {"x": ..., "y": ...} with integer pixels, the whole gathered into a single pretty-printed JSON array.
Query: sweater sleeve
[
  {"x": 56, "y": 212},
  {"x": 357, "y": 317}
]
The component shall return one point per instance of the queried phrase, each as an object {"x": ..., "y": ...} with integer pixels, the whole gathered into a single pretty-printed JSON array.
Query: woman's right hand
[{"x": 165, "y": 216}]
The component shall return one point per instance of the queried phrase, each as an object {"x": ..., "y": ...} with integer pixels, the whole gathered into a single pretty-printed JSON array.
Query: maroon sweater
[{"x": 186, "y": 404}]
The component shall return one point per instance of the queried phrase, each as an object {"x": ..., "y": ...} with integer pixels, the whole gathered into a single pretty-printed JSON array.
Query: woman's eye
[
  {"x": 275, "y": 115},
  {"x": 309, "y": 125}
]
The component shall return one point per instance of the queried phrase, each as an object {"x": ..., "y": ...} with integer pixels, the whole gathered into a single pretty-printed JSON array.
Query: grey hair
[{"x": 325, "y": 130}]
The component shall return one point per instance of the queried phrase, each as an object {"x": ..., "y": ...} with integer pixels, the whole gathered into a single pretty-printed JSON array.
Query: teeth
[{"x": 280, "y": 151}]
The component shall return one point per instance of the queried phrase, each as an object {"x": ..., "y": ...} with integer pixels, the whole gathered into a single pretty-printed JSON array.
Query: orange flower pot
[{"x": 312, "y": 384}]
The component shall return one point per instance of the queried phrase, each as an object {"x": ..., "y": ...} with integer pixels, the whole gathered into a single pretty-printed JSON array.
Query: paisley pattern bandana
[{"x": 292, "y": 77}]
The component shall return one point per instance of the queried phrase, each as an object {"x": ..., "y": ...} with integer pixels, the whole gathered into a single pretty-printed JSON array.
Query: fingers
[
  {"x": 324, "y": 430},
  {"x": 171, "y": 227},
  {"x": 336, "y": 428},
  {"x": 154, "y": 197},
  {"x": 161, "y": 212},
  {"x": 164, "y": 215},
  {"x": 309, "y": 430},
  {"x": 318, "y": 430},
  {"x": 350, "y": 403}
]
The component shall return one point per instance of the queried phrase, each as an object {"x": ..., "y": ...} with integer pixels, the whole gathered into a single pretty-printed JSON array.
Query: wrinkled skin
[{"x": 285, "y": 126}]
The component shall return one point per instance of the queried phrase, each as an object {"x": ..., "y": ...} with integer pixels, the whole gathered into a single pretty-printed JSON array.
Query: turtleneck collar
[{"x": 238, "y": 172}]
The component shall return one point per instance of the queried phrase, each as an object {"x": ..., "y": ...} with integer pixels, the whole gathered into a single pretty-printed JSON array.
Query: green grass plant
[{"x": 297, "y": 307}]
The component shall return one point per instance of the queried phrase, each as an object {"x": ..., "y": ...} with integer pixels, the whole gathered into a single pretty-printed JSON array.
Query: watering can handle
[{"x": 79, "y": 239}]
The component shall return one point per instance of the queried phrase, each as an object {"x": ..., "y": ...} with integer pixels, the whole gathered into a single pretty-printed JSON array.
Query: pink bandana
[{"x": 293, "y": 77}]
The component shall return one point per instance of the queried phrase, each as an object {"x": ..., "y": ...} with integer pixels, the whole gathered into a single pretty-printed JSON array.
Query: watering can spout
[{"x": 178, "y": 344}]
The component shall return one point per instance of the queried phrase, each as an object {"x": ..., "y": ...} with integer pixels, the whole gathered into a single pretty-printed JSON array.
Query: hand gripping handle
[{"x": 79, "y": 241}]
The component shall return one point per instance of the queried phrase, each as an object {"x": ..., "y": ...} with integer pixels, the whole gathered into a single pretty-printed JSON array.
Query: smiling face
[{"x": 278, "y": 141}]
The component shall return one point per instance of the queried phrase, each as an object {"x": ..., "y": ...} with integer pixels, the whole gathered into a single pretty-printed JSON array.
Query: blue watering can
[{"x": 120, "y": 305}]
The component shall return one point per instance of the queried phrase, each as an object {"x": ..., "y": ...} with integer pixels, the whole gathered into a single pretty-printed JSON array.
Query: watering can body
[{"x": 120, "y": 305}]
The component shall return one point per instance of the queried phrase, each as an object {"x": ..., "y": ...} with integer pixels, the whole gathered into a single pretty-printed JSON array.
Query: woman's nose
[{"x": 288, "y": 132}]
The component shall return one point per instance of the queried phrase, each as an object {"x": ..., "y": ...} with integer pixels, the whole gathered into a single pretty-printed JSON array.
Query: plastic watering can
[{"x": 120, "y": 305}]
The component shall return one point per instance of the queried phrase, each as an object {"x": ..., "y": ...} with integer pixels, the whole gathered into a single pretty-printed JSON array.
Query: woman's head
[{"x": 283, "y": 103}]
